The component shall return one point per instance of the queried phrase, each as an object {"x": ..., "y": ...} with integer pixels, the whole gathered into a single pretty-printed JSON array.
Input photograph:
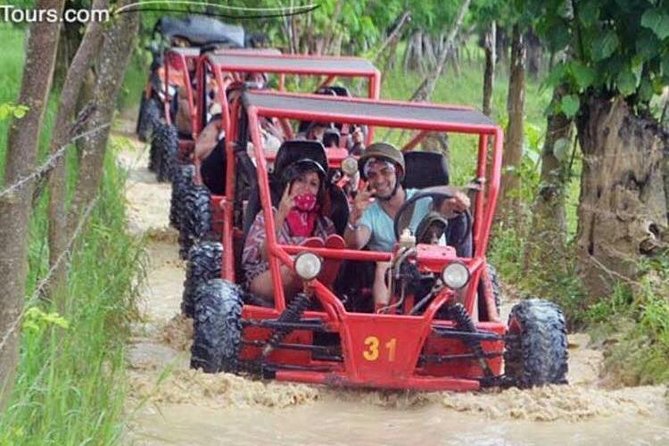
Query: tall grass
[
  {"x": 70, "y": 388},
  {"x": 71, "y": 376}
]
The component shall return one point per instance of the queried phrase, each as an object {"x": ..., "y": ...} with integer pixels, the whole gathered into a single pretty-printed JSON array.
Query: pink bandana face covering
[{"x": 302, "y": 218}]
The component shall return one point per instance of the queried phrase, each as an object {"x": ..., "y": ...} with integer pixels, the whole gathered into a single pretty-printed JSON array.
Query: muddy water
[{"x": 171, "y": 404}]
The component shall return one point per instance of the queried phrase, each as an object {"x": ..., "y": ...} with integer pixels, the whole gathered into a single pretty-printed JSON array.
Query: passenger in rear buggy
[
  {"x": 299, "y": 219},
  {"x": 210, "y": 143}
]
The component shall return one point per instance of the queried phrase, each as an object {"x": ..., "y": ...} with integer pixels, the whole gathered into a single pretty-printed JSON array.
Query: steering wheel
[{"x": 437, "y": 194}]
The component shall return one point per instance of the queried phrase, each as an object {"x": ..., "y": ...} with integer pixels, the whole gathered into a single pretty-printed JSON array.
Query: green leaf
[
  {"x": 20, "y": 111},
  {"x": 569, "y": 105},
  {"x": 656, "y": 20},
  {"x": 626, "y": 82},
  {"x": 583, "y": 75},
  {"x": 588, "y": 13},
  {"x": 647, "y": 44},
  {"x": 604, "y": 45},
  {"x": 645, "y": 90},
  {"x": 561, "y": 149},
  {"x": 555, "y": 77}
]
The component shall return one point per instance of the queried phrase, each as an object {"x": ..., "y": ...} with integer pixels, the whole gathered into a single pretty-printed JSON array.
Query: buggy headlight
[
  {"x": 349, "y": 166},
  {"x": 308, "y": 265},
  {"x": 455, "y": 275}
]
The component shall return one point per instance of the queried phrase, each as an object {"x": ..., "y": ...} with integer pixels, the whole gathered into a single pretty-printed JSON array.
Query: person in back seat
[{"x": 301, "y": 215}]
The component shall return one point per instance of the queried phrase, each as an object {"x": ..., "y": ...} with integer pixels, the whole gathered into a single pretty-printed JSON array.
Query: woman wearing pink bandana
[{"x": 299, "y": 217}]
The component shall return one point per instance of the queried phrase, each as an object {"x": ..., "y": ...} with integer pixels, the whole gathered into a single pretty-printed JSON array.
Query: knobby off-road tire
[
  {"x": 196, "y": 219},
  {"x": 155, "y": 149},
  {"x": 536, "y": 347},
  {"x": 204, "y": 264},
  {"x": 168, "y": 145},
  {"x": 149, "y": 116},
  {"x": 217, "y": 327},
  {"x": 183, "y": 180}
]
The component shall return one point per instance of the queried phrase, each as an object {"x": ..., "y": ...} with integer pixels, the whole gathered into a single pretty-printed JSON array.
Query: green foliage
[
  {"x": 616, "y": 47},
  {"x": 37, "y": 320},
  {"x": 9, "y": 109},
  {"x": 71, "y": 383},
  {"x": 634, "y": 324}
]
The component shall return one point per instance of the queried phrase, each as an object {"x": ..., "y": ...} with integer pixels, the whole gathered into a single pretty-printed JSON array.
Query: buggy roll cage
[
  {"x": 200, "y": 30},
  {"x": 179, "y": 57},
  {"x": 237, "y": 62},
  {"x": 396, "y": 114}
]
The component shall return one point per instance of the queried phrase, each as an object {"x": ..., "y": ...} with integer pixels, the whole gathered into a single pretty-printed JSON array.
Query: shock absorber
[
  {"x": 464, "y": 322},
  {"x": 292, "y": 313}
]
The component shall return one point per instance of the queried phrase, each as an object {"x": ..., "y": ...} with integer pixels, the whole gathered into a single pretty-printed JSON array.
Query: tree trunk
[
  {"x": 534, "y": 54},
  {"x": 489, "y": 73},
  {"x": 413, "y": 56},
  {"x": 622, "y": 209},
  {"x": 70, "y": 38},
  {"x": 428, "y": 52},
  {"x": 114, "y": 58},
  {"x": 15, "y": 206},
  {"x": 60, "y": 137},
  {"x": 513, "y": 144},
  {"x": 426, "y": 88},
  {"x": 502, "y": 47},
  {"x": 546, "y": 242},
  {"x": 391, "y": 42}
]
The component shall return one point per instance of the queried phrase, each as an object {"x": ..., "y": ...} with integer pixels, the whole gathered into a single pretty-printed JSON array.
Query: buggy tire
[
  {"x": 196, "y": 221},
  {"x": 168, "y": 145},
  {"x": 204, "y": 264},
  {"x": 182, "y": 181},
  {"x": 149, "y": 116},
  {"x": 217, "y": 327},
  {"x": 536, "y": 344},
  {"x": 155, "y": 150}
]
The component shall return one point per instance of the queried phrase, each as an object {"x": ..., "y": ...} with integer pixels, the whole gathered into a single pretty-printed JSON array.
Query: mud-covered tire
[
  {"x": 149, "y": 116},
  {"x": 168, "y": 145},
  {"x": 217, "y": 327},
  {"x": 536, "y": 345},
  {"x": 182, "y": 181},
  {"x": 196, "y": 219},
  {"x": 204, "y": 264},
  {"x": 155, "y": 149}
]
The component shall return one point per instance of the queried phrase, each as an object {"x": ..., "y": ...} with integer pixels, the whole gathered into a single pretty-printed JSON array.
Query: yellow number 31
[{"x": 371, "y": 353}]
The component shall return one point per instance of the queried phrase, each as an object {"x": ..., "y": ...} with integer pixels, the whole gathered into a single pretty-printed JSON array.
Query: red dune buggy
[
  {"x": 188, "y": 35},
  {"x": 442, "y": 329}
]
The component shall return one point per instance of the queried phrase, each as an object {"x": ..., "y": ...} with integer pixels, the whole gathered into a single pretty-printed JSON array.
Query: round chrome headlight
[
  {"x": 349, "y": 166},
  {"x": 455, "y": 275},
  {"x": 308, "y": 265}
]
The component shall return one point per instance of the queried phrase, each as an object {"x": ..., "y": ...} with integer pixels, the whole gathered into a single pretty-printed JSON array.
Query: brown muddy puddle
[{"x": 169, "y": 404}]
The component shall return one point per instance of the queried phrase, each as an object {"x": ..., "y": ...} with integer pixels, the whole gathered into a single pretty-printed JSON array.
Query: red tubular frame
[{"x": 403, "y": 337}]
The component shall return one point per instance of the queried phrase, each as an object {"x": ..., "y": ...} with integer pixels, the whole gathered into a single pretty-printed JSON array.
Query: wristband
[{"x": 351, "y": 226}]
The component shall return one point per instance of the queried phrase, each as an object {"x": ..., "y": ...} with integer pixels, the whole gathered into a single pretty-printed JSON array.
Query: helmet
[
  {"x": 301, "y": 167},
  {"x": 386, "y": 152}
]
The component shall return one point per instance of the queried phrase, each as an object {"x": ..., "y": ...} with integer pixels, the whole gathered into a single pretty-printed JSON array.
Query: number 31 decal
[{"x": 371, "y": 353}]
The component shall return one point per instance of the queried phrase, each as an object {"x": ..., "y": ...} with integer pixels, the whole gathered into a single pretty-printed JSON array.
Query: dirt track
[{"x": 184, "y": 407}]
